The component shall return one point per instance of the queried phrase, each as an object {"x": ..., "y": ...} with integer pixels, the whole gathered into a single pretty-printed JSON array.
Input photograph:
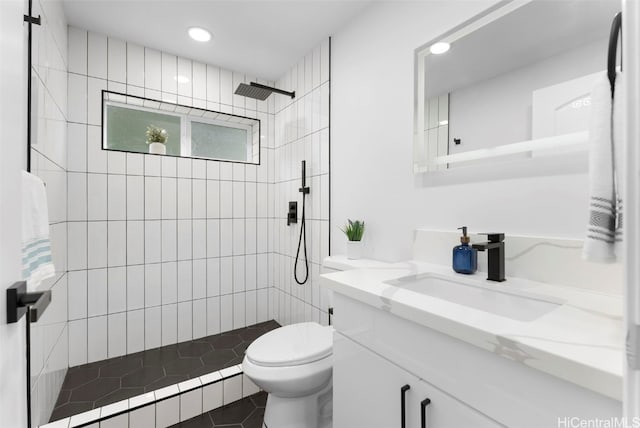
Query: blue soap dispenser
[{"x": 465, "y": 258}]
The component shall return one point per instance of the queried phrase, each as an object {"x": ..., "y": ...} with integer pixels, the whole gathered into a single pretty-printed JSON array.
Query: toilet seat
[{"x": 292, "y": 345}]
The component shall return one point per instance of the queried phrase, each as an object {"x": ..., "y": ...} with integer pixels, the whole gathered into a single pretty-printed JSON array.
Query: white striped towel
[
  {"x": 604, "y": 230},
  {"x": 37, "y": 264}
]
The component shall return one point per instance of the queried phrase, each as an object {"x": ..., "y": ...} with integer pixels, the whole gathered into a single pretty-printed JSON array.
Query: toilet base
[{"x": 312, "y": 411}]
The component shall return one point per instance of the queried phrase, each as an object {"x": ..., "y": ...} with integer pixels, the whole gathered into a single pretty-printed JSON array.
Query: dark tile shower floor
[
  {"x": 104, "y": 382},
  {"x": 245, "y": 413}
]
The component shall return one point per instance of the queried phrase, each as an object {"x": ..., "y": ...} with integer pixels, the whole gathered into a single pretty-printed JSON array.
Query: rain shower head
[{"x": 260, "y": 92}]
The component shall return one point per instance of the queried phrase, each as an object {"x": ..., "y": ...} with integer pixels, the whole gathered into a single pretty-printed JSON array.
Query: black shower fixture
[
  {"x": 259, "y": 91},
  {"x": 305, "y": 190}
]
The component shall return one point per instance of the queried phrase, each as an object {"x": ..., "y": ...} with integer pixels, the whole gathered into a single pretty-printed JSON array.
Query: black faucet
[{"x": 495, "y": 255}]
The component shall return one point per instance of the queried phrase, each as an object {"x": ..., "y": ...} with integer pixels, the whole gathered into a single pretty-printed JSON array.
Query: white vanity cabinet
[
  {"x": 372, "y": 392},
  {"x": 376, "y": 352}
]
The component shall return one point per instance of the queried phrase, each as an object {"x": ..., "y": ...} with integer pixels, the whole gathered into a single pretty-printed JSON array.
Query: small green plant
[
  {"x": 354, "y": 230},
  {"x": 156, "y": 135}
]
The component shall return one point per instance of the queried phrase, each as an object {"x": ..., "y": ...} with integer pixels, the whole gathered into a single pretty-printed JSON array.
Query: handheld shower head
[
  {"x": 303, "y": 230},
  {"x": 259, "y": 91}
]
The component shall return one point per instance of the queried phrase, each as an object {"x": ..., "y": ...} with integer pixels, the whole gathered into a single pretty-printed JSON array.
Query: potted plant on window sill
[
  {"x": 156, "y": 139},
  {"x": 354, "y": 231}
]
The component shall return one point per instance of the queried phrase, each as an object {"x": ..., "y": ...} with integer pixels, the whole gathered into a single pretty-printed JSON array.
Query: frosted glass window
[
  {"x": 192, "y": 132},
  {"x": 218, "y": 142},
  {"x": 126, "y": 129}
]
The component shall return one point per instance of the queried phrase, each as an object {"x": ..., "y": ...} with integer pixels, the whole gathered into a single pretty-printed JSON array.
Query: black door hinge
[{"x": 32, "y": 19}]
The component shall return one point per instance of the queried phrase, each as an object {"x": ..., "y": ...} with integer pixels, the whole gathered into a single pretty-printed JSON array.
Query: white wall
[
  {"x": 631, "y": 50},
  {"x": 371, "y": 145},
  {"x": 301, "y": 133},
  {"x": 13, "y": 404},
  {"x": 161, "y": 249}
]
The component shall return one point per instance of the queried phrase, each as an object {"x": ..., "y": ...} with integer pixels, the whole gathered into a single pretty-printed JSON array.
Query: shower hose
[{"x": 303, "y": 237}]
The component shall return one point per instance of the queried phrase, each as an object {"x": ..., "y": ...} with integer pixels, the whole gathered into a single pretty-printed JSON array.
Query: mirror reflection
[
  {"x": 142, "y": 125},
  {"x": 512, "y": 84}
]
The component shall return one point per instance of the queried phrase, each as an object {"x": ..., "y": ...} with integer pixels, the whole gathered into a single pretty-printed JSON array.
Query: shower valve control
[{"x": 292, "y": 215}]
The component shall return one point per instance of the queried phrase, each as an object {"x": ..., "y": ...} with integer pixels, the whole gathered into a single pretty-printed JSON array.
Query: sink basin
[{"x": 519, "y": 307}]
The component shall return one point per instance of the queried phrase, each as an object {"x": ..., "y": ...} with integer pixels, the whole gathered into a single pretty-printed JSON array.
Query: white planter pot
[
  {"x": 158, "y": 148},
  {"x": 354, "y": 250}
]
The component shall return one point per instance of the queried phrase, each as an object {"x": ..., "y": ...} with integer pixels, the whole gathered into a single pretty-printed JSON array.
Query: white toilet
[{"x": 294, "y": 365}]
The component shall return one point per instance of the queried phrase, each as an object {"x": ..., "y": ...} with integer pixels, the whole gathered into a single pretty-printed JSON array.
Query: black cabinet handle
[
  {"x": 403, "y": 415},
  {"x": 423, "y": 406}
]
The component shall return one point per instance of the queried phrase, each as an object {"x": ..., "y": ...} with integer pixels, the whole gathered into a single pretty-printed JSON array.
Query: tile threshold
[{"x": 107, "y": 412}]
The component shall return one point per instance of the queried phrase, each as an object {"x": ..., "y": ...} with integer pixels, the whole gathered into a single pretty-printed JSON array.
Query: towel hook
[{"x": 616, "y": 30}]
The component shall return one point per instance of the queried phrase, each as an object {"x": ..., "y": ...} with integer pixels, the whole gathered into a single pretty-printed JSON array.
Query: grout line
[
  {"x": 126, "y": 239},
  {"x": 86, "y": 235},
  {"x": 192, "y": 210}
]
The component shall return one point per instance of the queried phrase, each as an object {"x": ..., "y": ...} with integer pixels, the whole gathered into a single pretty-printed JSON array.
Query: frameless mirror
[
  {"x": 142, "y": 125},
  {"x": 510, "y": 87}
]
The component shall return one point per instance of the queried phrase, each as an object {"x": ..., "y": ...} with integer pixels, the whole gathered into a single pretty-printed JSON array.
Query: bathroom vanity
[{"x": 419, "y": 343}]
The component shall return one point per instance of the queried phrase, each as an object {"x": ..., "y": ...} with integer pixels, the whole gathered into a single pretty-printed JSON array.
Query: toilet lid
[{"x": 292, "y": 345}]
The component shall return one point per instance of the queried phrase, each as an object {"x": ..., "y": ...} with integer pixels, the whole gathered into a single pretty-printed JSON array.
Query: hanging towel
[
  {"x": 37, "y": 264},
  {"x": 604, "y": 231}
]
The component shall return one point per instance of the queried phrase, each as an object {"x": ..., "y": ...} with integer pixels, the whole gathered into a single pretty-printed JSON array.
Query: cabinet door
[
  {"x": 444, "y": 411},
  {"x": 367, "y": 389},
  {"x": 367, "y": 394}
]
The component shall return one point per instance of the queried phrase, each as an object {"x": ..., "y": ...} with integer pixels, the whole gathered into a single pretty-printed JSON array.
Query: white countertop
[
  {"x": 581, "y": 341},
  {"x": 341, "y": 262}
]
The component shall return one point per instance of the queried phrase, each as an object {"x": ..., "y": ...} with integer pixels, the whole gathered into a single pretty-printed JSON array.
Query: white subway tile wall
[
  {"x": 148, "y": 234},
  {"x": 301, "y": 132},
  {"x": 49, "y": 161}
]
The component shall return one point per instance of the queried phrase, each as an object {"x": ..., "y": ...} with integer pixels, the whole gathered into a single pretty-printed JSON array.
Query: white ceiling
[
  {"x": 261, "y": 38},
  {"x": 536, "y": 31}
]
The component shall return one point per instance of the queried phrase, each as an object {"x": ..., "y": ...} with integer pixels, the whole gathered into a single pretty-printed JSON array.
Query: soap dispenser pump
[{"x": 465, "y": 258}]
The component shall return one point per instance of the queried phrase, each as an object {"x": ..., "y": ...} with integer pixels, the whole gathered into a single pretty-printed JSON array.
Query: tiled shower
[
  {"x": 302, "y": 133},
  {"x": 161, "y": 250},
  {"x": 165, "y": 249}
]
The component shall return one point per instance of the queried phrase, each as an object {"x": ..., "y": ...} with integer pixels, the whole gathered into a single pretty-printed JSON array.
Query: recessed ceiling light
[
  {"x": 181, "y": 79},
  {"x": 199, "y": 34},
  {"x": 444, "y": 122},
  {"x": 439, "y": 48}
]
